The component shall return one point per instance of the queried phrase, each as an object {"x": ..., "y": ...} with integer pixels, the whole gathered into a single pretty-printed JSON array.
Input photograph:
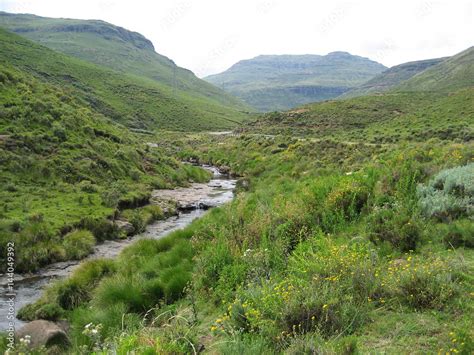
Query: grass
[
  {"x": 293, "y": 264},
  {"x": 59, "y": 157},
  {"x": 350, "y": 232},
  {"x": 135, "y": 101}
]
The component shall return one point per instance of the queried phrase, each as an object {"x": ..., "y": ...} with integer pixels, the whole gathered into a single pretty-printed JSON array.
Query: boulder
[
  {"x": 43, "y": 333},
  {"x": 125, "y": 227},
  {"x": 224, "y": 170}
]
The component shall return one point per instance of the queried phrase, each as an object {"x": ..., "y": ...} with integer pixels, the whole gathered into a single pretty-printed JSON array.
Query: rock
[
  {"x": 205, "y": 205},
  {"x": 224, "y": 169},
  {"x": 125, "y": 227},
  {"x": 244, "y": 184},
  {"x": 43, "y": 333}
]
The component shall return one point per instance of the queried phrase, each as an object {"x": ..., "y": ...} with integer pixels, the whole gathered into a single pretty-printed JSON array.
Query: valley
[{"x": 152, "y": 212}]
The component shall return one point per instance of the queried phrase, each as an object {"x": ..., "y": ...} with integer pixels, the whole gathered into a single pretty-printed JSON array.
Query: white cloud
[{"x": 208, "y": 36}]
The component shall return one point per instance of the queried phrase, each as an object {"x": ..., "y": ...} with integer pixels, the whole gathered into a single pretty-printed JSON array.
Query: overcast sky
[{"x": 208, "y": 36}]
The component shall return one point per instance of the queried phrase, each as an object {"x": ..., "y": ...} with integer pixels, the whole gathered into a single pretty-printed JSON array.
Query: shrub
[
  {"x": 121, "y": 289},
  {"x": 420, "y": 283},
  {"x": 395, "y": 226},
  {"x": 40, "y": 310},
  {"x": 457, "y": 234},
  {"x": 348, "y": 198},
  {"x": 102, "y": 229},
  {"x": 450, "y": 194},
  {"x": 78, "y": 244},
  {"x": 88, "y": 186}
]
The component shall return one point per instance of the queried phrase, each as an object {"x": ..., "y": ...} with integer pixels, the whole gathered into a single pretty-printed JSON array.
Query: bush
[
  {"x": 449, "y": 195},
  {"x": 102, "y": 229},
  {"x": 40, "y": 310},
  {"x": 395, "y": 226},
  {"x": 120, "y": 289},
  {"x": 78, "y": 244},
  {"x": 88, "y": 186},
  {"x": 420, "y": 283},
  {"x": 457, "y": 234}
]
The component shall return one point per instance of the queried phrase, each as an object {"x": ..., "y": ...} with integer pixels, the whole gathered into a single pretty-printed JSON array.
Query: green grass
[
  {"x": 66, "y": 166},
  {"x": 351, "y": 230},
  {"x": 391, "y": 77},
  {"x": 450, "y": 75},
  {"x": 114, "y": 47},
  {"x": 385, "y": 118},
  {"x": 135, "y": 101},
  {"x": 292, "y": 265}
]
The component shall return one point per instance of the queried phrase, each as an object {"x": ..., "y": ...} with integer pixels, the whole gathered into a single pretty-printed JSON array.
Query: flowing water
[{"x": 28, "y": 288}]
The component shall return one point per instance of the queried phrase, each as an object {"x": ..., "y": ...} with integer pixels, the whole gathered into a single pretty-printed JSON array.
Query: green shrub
[
  {"x": 102, "y": 229},
  {"x": 88, "y": 186},
  {"x": 457, "y": 233},
  {"x": 121, "y": 289},
  {"x": 78, "y": 244},
  {"x": 40, "y": 310},
  {"x": 395, "y": 226},
  {"x": 420, "y": 283}
]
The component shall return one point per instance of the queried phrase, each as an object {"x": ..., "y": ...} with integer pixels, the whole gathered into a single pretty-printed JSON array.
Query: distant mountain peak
[
  {"x": 279, "y": 82},
  {"x": 24, "y": 23}
]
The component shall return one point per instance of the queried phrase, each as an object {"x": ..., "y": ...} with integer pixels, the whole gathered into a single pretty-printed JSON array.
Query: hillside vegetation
[
  {"x": 114, "y": 47},
  {"x": 391, "y": 77},
  {"x": 449, "y": 75},
  {"x": 66, "y": 166},
  {"x": 134, "y": 101},
  {"x": 279, "y": 82},
  {"x": 351, "y": 230},
  {"x": 328, "y": 247}
]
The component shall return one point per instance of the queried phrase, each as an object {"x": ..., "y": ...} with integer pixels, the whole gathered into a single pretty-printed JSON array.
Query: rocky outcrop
[
  {"x": 125, "y": 227},
  {"x": 43, "y": 333}
]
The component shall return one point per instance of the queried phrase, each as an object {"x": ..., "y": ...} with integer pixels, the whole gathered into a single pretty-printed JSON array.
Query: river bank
[{"x": 192, "y": 202}]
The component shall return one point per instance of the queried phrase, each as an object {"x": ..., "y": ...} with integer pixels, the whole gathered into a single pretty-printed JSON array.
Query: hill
[
  {"x": 279, "y": 82},
  {"x": 454, "y": 73},
  {"x": 174, "y": 96},
  {"x": 391, "y": 77},
  {"x": 64, "y": 165},
  {"x": 383, "y": 118}
]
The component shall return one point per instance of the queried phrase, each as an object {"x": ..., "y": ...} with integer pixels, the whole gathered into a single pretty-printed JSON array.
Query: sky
[{"x": 208, "y": 36}]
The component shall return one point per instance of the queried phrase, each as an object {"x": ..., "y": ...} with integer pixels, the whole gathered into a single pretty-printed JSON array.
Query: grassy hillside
[
  {"x": 104, "y": 44},
  {"x": 66, "y": 166},
  {"x": 327, "y": 248},
  {"x": 375, "y": 119},
  {"x": 279, "y": 82},
  {"x": 134, "y": 101},
  {"x": 391, "y": 77},
  {"x": 452, "y": 74}
]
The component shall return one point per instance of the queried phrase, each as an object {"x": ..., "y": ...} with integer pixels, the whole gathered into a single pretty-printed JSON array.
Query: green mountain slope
[
  {"x": 452, "y": 74},
  {"x": 278, "y": 82},
  {"x": 64, "y": 165},
  {"x": 143, "y": 89},
  {"x": 384, "y": 118},
  {"x": 391, "y": 77}
]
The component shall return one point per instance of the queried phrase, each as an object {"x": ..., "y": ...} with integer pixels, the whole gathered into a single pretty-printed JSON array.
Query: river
[{"x": 192, "y": 199}]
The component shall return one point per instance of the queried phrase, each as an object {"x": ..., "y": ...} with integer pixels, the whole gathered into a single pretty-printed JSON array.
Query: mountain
[
  {"x": 391, "y": 77},
  {"x": 454, "y": 73},
  {"x": 64, "y": 164},
  {"x": 171, "y": 97},
  {"x": 279, "y": 82}
]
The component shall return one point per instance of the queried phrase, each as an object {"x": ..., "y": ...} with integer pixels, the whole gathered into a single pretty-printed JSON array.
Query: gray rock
[
  {"x": 43, "y": 333},
  {"x": 125, "y": 227},
  {"x": 224, "y": 169}
]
